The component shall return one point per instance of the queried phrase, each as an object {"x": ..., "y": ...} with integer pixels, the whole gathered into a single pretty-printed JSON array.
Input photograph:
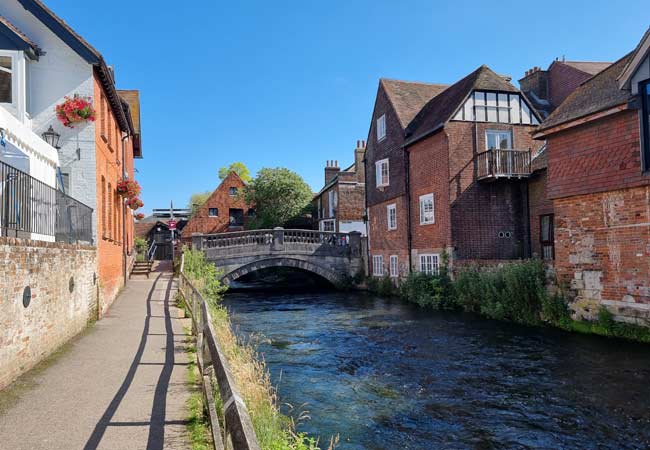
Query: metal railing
[
  {"x": 503, "y": 163},
  {"x": 30, "y": 207},
  {"x": 238, "y": 432}
]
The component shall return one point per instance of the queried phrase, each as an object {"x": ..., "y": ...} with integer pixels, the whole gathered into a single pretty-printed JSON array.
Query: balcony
[{"x": 503, "y": 163}]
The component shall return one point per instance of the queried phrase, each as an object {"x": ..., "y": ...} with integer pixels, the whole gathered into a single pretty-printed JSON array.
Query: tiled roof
[
  {"x": 408, "y": 97},
  {"x": 598, "y": 93},
  {"x": 22, "y": 36},
  {"x": 142, "y": 229},
  {"x": 441, "y": 107},
  {"x": 590, "y": 67}
]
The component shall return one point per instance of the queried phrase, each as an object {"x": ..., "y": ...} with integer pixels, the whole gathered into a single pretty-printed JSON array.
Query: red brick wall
[
  {"x": 602, "y": 243},
  {"x": 389, "y": 242},
  {"x": 201, "y": 222},
  {"x": 598, "y": 156},
  {"x": 539, "y": 205},
  {"x": 352, "y": 203},
  {"x": 563, "y": 80}
]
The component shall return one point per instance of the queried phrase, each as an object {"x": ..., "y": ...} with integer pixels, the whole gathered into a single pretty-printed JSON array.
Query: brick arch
[{"x": 325, "y": 273}]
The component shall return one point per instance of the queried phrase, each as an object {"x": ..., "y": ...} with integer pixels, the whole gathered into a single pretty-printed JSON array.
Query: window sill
[{"x": 427, "y": 223}]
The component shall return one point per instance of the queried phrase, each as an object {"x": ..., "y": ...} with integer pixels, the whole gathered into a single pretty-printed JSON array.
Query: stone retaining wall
[{"x": 63, "y": 301}]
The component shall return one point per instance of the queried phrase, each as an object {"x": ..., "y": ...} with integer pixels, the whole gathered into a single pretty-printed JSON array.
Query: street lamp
[{"x": 52, "y": 137}]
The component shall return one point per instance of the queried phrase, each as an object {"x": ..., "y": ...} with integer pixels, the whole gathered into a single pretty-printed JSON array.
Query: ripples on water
[{"x": 385, "y": 375}]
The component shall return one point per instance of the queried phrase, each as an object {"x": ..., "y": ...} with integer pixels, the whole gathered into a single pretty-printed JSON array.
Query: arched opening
[{"x": 282, "y": 273}]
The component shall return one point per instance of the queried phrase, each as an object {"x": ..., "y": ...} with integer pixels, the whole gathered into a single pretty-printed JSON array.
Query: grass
[
  {"x": 274, "y": 430},
  {"x": 197, "y": 428}
]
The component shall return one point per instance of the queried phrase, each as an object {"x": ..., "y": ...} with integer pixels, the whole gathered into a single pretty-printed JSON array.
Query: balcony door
[{"x": 500, "y": 140}]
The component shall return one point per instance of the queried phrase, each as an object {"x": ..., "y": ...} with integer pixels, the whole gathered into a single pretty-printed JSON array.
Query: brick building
[
  {"x": 598, "y": 149},
  {"x": 225, "y": 210},
  {"x": 468, "y": 158},
  {"x": 340, "y": 204},
  {"x": 396, "y": 104}
]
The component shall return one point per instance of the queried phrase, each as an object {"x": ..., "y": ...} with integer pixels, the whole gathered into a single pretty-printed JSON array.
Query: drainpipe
[
  {"x": 407, "y": 164},
  {"x": 125, "y": 137},
  {"x": 365, "y": 174}
]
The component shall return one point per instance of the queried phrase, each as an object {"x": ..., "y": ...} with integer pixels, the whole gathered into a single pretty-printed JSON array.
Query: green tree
[
  {"x": 197, "y": 200},
  {"x": 239, "y": 168},
  {"x": 279, "y": 195}
]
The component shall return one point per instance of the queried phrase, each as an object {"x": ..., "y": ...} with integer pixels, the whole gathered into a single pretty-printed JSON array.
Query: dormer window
[
  {"x": 6, "y": 79},
  {"x": 644, "y": 90}
]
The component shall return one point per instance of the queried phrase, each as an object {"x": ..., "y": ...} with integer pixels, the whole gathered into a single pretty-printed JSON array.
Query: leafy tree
[
  {"x": 239, "y": 168},
  {"x": 197, "y": 200},
  {"x": 279, "y": 195}
]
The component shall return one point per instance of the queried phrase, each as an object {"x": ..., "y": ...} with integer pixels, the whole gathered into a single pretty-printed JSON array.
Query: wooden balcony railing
[{"x": 502, "y": 163}]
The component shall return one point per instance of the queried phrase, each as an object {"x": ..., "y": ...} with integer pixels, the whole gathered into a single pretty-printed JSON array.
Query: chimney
[
  {"x": 535, "y": 80},
  {"x": 359, "y": 167},
  {"x": 331, "y": 170}
]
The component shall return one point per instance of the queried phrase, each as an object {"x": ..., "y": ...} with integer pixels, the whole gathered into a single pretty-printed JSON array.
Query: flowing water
[{"x": 386, "y": 375}]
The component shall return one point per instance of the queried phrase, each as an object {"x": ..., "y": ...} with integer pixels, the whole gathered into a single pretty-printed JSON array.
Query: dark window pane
[
  {"x": 5, "y": 87},
  {"x": 237, "y": 217},
  {"x": 213, "y": 212},
  {"x": 233, "y": 191}
]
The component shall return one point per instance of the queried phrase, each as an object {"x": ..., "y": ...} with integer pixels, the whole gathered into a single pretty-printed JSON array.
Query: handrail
[
  {"x": 151, "y": 250},
  {"x": 498, "y": 163},
  {"x": 238, "y": 428},
  {"x": 276, "y": 238}
]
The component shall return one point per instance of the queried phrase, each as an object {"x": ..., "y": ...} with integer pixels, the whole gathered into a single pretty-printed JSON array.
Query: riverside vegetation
[
  {"x": 514, "y": 292},
  {"x": 274, "y": 430}
]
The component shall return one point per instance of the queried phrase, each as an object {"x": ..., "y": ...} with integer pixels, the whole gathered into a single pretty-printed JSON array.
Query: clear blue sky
[{"x": 292, "y": 83}]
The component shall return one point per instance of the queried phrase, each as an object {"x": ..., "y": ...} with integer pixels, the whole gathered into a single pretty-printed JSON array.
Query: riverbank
[
  {"x": 515, "y": 292},
  {"x": 274, "y": 430}
]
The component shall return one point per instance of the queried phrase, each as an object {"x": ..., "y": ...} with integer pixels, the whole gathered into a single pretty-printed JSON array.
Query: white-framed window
[
  {"x": 427, "y": 214},
  {"x": 328, "y": 225},
  {"x": 332, "y": 203},
  {"x": 381, "y": 127},
  {"x": 391, "y": 215},
  {"x": 498, "y": 139},
  {"x": 378, "y": 265},
  {"x": 394, "y": 268},
  {"x": 213, "y": 212},
  {"x": 430, "y": 263},
  {"x": 6, "y": 78},
  {"x": 233, "y": 191},
  {"x": 382, "y": 173}
]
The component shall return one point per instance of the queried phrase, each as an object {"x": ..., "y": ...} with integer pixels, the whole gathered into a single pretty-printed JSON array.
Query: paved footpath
[{"x": 121, "y": 386}]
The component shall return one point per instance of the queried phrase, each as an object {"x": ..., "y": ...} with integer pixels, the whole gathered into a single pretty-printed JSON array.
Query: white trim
[
  {"x": 394, "y": 266},
  {"x": 378, "y": 265},
  {"x": 430, "y": 263},
  {"x": 381, "y": 128},
  {"x": 327, "y": 221},
  {"x": 425, "y": 218},
  {"x": 392, "y": 207}
]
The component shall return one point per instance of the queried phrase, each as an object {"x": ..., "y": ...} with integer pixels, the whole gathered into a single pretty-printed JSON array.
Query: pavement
[{"x": 121, "y": 385}]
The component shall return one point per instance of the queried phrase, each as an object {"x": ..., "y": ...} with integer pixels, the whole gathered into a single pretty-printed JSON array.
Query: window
[
  {"x": 426, "y": 209},
  {"x": 109, "y": 124},
  {"x": 429, "y": 264},
  {"x": 496, "y": 107},
  {"x": 382, "y": 173},
  {"x": 213, "y": 212},
  {"x": 644, "y": 89},
  {"x": 394, "y": 268},
  {"x": 546, "y": 236},
  {"x": 102, "y": 115},
  {"x": 381, "y": 127},
  {"x": 236, "y": 217},
  {"x": 233, "y": 191},
  {"x": 110, "y": 211},
  {"x": 332, "y": 203},
  {"x": 6, "y": 75},
  {"x": 378, "y": 266},
  {"x": 327, "y": 225},
  {"x": 251, "y": 212},
  {"x": 391, "y": 214},
  {"x": 104, "y": 206},
  {"x": 498, "y": 139}
]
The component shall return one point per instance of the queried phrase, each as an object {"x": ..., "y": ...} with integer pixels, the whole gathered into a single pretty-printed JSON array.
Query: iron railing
[
  {"x": 30, "y": 207},
  {"x": 503, "y": 163}
]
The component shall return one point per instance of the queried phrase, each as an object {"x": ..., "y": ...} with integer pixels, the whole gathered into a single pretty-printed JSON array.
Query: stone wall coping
[{"x": 44, "y": 244}]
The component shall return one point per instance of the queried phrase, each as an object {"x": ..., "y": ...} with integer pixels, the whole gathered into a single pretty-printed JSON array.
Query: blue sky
[{"x": 292, "y": 83}]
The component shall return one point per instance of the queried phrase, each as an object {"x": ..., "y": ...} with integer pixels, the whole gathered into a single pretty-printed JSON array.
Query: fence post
[
  {"x": 197, "y": 241},
  {"x": 278, "y": 239}
]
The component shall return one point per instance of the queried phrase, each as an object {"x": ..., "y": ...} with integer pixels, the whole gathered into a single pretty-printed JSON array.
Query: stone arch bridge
[{"x": 333, "y": 256}]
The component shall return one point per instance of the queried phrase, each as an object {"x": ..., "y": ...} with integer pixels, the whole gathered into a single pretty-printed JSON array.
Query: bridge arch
[{"x": 331, "y": 276}]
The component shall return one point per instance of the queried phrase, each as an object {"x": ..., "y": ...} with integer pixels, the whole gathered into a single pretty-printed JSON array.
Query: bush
[
  {"x": 429, "y": 291},
  {"x": 205, "y": 275},
  {"x": 141, "y": 245},
  {"x": 383, "y": 286},
  {"x": 555, "y": 311}
]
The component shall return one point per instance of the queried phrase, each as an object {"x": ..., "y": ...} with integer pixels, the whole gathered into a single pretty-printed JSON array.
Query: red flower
[{"x": 75, "y": 110}]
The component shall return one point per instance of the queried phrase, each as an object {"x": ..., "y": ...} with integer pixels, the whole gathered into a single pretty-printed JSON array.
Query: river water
[{"x": 386, "y": 375}]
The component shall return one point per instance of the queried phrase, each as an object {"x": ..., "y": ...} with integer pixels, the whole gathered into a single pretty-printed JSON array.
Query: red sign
[{"x": 172, "y": 224}]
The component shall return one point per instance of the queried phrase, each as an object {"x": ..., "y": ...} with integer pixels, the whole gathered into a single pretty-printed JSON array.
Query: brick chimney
[
  {"x": 359, "y": 167},
  {"x": 331, "y": 170},
  {"x": 536, "y": 81}
]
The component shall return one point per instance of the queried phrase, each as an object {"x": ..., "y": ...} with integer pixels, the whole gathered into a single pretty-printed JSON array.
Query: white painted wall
[{"x": 58, "y": 73}]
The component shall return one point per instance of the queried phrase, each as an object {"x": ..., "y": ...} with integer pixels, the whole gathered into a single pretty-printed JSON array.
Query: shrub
[
  {"x": 555, "y": 311},
  {"x": 141, "y": 245},
  {"x": 204, "y": 274},
  {"x": 428, "y": 291}
]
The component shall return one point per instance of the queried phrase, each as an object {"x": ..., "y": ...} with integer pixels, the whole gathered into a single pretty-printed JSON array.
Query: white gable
[{"x": 496, "y": 107}]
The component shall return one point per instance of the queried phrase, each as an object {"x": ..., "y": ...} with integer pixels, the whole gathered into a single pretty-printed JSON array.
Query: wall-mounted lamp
[{"x": 52, "y": 137}]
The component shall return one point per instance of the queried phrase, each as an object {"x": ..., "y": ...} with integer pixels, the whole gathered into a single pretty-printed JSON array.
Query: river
[{"x": 386, "y": 375}]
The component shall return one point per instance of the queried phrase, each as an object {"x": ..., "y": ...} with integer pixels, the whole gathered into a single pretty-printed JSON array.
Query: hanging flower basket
[
  {"x": 134, "y": 203},
  {"x": 128, "y": 188},
  {"x": 75, "y": 110},
  {"x": 139, "y": 216}
]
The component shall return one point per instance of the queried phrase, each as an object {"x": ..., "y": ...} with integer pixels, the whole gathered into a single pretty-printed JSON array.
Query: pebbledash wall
[{"x": 64, "y": 300}]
